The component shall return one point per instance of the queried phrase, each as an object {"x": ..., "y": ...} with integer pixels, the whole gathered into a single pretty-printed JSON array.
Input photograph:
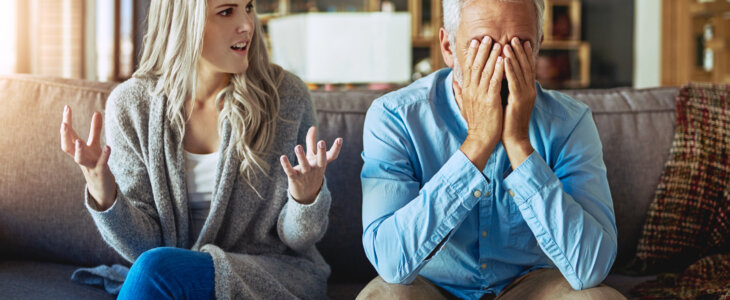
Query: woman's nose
[{"x": 245, "y": 24}]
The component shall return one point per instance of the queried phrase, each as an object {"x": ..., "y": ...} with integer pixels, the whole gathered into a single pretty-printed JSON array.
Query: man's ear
[{"x": 446, "y": 48}]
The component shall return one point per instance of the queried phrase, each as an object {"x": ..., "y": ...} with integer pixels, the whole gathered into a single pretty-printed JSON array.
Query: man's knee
[
  {"x": 421, "y": 288},
  {"x": 551, "y": 284}
]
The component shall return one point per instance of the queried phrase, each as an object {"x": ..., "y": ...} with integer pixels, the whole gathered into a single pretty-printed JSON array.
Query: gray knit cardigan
[{"x": 262, "y": 247}]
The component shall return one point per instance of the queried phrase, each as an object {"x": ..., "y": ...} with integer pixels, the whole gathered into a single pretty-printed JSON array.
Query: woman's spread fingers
[
  {"x": 334, "y": 152},
  {"x": 302, "y": 158},
  {"x": 321, "y": 154},
  {"x": 286, "y": 165},
  {"x": 95, "y": 131},
  {"x": 68, "y": 138},
  {"x": 311, "y": 137},
  {"x": 101, "y": 163}
]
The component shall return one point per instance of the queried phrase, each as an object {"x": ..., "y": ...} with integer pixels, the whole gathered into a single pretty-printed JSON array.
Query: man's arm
[
  {"x": 405, "y": 223},
  {"x": 569, "y": 210}
]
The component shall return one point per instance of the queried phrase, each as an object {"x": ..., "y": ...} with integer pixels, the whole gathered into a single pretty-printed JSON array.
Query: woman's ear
[{"x": 447, "y": 50}]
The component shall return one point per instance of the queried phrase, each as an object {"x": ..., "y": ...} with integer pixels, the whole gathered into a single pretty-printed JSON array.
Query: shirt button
[
  {"x": 484, "y": 233},
  {"x": 486, "y": 194},
  {"x": 511, "y": 193},
  {"x": 477, "y": 193},
  {"x": 484, "y": 266}
]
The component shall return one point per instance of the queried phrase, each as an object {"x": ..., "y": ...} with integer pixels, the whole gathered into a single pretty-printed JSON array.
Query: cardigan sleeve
[
  {"x": 300, "y": 226},
  {"x": 131, "y": 224}
]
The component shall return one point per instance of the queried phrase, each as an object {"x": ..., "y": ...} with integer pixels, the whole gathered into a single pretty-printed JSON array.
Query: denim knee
[{"x": 148, "y": 264}]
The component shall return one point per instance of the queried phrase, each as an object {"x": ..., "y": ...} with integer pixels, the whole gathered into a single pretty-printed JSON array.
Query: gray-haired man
[{"x": 464, "y": 196}]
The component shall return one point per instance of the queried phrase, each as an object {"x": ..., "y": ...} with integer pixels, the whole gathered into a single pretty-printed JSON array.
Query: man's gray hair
[{"x": 452, "y": 16}]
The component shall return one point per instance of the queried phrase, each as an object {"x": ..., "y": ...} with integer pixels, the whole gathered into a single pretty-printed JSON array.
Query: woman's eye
[
  {"x": 249, "y": 8},
  {"x": 226, "y": 12}
]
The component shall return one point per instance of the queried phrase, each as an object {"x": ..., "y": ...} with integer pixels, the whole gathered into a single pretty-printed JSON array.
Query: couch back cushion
[
  {"x": 42, "y": 214},
  {"x": 636, "y": 129}
]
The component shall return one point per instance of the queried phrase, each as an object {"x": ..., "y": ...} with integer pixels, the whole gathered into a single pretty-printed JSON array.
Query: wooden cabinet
[{"x": 695, "y": 37}]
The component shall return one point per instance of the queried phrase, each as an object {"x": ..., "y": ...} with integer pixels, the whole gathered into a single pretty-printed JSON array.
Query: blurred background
[{"x": 588, "y": 44}]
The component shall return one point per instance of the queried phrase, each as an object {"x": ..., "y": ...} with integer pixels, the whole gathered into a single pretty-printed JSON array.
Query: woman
[{"x": 193, "y": 142}]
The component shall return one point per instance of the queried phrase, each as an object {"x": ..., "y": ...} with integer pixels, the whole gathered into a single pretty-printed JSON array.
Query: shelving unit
[
  {"x": 564, "y": 60},
  {"x": 561, "y": 40},
  {"x": 695, "y": 38}
]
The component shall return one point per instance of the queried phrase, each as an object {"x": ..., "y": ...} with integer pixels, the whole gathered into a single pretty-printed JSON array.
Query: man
[{"x": 464, "y": 197}]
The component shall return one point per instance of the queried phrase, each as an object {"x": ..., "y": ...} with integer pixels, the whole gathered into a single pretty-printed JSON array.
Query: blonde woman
[{"x": 188, "y": 187}]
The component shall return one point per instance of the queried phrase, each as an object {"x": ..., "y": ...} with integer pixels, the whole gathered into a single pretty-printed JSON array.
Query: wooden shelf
[
  {"x": 709, "y": 8},
  {"x": 562, "y": 47},
  {"x": 685, "y": 42}
]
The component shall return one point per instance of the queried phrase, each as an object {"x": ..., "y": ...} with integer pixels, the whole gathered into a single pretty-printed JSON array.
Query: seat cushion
[{"x": 38, "y": 280}]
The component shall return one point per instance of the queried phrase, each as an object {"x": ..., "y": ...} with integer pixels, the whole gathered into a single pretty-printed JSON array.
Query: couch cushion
[
  {"x": 38, "y": 280},
  {"x": 636, "y": 129},
  {"x": 42, "y": 213}
]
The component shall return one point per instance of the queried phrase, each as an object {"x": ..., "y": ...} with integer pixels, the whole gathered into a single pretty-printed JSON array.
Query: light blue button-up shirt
[{"x": 427, "y": 210}]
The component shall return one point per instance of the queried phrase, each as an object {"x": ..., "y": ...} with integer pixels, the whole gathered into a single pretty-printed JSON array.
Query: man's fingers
[
  {"x": 481, "y": 57},
  {"x": 510, "y": 53},
  {"x": 466, "y": 69},
  {"x": 95, "y": 131},
  {"x": 530, "y": 59},
  {"x": 489, "y": 69},
  {"x": 512, "y": 79},
  {"x": 286, "y": 165},
  {"x": 321, "y": 154},
  {"x": 521, "y": 58},
  {"x": 302, "y": 158},
  {"x": 495, "y": 84},
  {"x": 311, "y": 137}
]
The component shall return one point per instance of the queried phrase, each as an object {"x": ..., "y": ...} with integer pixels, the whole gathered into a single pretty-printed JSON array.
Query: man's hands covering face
[
  {"x": 481, "y": 105},
  {"x": 520, "y": 69}
]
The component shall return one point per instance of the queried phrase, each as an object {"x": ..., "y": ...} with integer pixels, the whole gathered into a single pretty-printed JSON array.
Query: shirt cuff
[
  {"x": 464, "y": 182},
  {"x": 529, "y": 178}
]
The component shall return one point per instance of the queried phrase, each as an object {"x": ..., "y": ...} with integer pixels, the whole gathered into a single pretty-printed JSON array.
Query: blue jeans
[{"x": 170, "y": 273}]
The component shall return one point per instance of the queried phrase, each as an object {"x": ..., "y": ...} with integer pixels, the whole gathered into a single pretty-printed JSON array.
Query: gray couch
[{"x": 46, "y": 233}]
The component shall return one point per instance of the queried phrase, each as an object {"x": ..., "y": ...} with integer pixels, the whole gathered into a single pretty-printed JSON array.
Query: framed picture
[
  {"x": 562, "y": 65},
  {"x": 562, "y": 20}
]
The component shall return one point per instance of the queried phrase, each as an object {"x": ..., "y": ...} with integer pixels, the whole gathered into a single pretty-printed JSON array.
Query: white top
[
  {"x": 200, "y": 172},
  {"x": 200, "y": 178}
]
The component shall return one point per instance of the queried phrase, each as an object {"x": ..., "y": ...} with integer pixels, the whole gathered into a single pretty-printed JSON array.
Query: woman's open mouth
[{"x": 240, "y": 48}]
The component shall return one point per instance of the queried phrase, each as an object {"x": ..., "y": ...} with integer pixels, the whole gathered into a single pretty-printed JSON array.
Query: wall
[
  {"x": 608, "y": 25},
  {"x": 647, "y": 50}
]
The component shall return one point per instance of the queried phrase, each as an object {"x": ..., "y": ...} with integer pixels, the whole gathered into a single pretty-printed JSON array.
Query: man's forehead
[{"x": 499, "y": 17}]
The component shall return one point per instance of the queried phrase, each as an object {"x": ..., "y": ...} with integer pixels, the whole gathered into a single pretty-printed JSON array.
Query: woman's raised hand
[
  {"x": 306, "y": 179},
  {"x": 91, "y": 158}
]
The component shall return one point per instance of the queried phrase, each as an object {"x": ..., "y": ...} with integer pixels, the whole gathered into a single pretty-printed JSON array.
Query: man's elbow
[
  {"x": 601, "y": 268},
  {"x": 388, "y": 266}
]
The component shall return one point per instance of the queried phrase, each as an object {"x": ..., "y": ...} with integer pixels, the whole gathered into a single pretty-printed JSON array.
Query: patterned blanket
[{"x": 686, "y": 235}]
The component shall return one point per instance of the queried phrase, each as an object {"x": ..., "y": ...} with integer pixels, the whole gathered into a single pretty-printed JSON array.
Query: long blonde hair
[{"x": 172, "y": 47}]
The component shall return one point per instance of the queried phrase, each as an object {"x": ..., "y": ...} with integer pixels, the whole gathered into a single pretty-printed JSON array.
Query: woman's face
[{"x": 229, "y": 29}]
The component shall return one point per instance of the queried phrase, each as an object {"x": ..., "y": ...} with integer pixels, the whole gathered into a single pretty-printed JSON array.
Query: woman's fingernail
[
  {"x": 65, "y": 108},
  {"x": 339, "y": 141},
  {"x": 298, "y": 149},
  {"x": 528, "y": 44},
  {"x": 499, "y": 59},
  {"x": 486, "y": 39},
  {"x": 321, "y": 144},
  {"x": 473, "y": 43}
]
